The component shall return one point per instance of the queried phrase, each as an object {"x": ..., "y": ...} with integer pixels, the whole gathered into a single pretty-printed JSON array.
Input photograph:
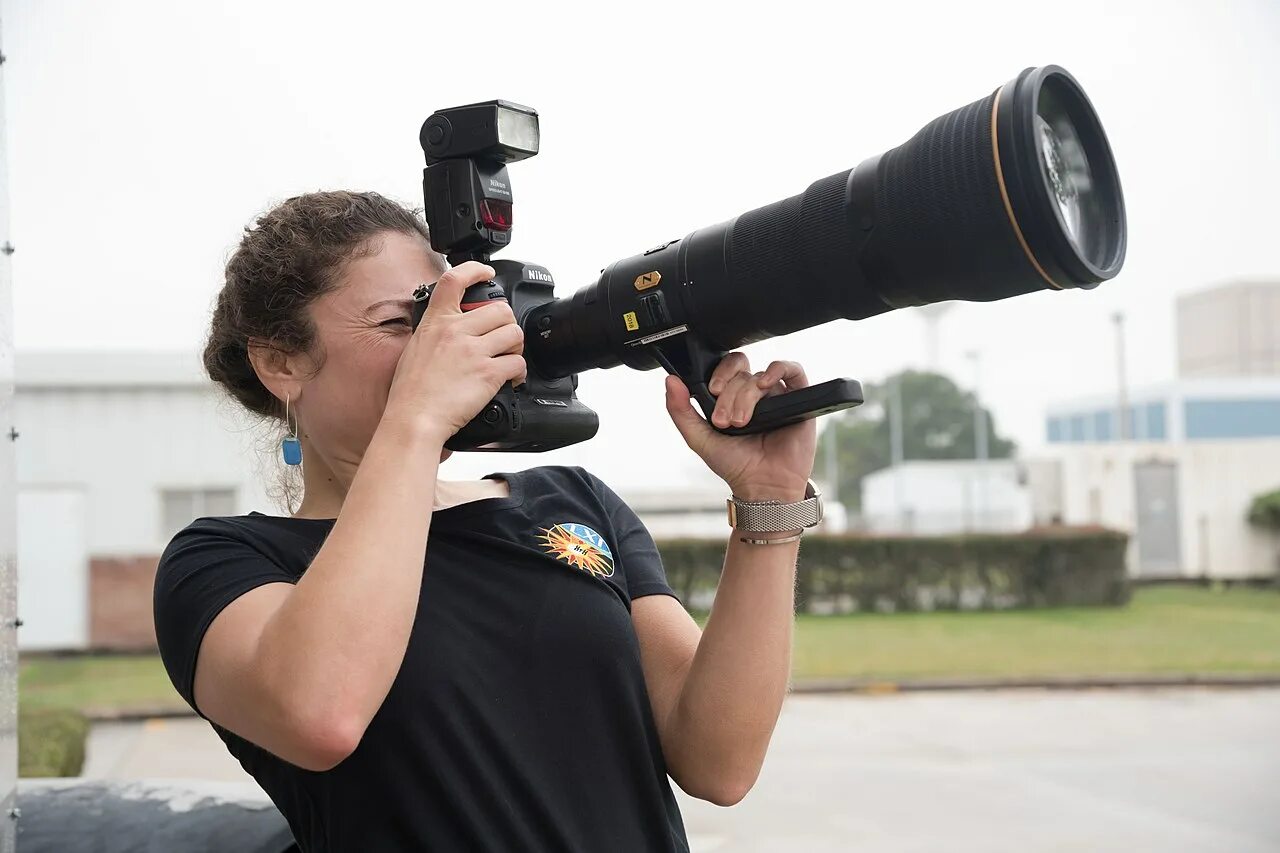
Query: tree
[
  {"x": 1264, "y": 511},
  {"x": 937, "y": 423}
]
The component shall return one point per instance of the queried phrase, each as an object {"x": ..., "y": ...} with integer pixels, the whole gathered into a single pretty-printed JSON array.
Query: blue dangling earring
[{"x": 291, "y": 447}]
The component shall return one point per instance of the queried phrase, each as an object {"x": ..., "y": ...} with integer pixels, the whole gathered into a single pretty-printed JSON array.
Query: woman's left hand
[{"x": 773, "y": 465}]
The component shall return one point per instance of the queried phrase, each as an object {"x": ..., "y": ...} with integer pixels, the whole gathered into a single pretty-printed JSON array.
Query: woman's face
[{"x": 362, "y": 327}]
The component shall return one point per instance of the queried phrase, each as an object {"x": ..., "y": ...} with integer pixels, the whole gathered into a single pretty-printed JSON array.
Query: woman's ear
[{"x": 282, "y": 373}]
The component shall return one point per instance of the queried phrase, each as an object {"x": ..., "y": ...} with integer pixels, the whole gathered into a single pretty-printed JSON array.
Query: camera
[{"x": 1013, "y": 193}]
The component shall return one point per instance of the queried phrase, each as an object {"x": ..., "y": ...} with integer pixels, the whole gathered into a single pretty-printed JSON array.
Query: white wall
[
  {"x": 946, "y": 496},
  {"x": 1216, "y": 482},
  {"x": 122, "y": 445},
  {"x": 53, "y": 598},
  {"x": 1232, "y": 330}
]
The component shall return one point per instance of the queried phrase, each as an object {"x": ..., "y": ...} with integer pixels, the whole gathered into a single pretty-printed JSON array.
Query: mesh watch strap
[{"x": 775, "y": 516}]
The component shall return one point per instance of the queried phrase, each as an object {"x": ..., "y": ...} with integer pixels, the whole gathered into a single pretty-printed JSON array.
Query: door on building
[
  {"x": 53, "y": 569},
  {"x": 1159, "y": 531}
]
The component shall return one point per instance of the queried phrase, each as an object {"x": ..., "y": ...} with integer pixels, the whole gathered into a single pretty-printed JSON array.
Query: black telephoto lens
[{"x": 1013, "y": 193}]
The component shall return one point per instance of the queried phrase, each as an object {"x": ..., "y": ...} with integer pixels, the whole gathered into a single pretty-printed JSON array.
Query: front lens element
[{"x": 1065, "y": 168}]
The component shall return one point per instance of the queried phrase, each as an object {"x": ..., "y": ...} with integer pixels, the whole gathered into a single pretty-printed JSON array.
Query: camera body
[
  {"x": 541, "y": 414},
  {"x": 468, "y": 204}
]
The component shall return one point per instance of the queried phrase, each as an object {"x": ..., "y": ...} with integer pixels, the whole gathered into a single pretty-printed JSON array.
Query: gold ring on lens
[{"x": 1004, "y": 194}]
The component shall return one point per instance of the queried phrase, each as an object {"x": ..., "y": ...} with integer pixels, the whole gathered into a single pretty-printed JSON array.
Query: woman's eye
[{"x": 404, "y": 320}]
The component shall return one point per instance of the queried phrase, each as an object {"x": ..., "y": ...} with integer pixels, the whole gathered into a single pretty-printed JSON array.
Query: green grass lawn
[
  {"x": 91, "y": 682},
  {"x": 1164, "y": 630}
]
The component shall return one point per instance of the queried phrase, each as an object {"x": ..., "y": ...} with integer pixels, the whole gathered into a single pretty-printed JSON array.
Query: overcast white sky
[{"x": 142, "y": 136}]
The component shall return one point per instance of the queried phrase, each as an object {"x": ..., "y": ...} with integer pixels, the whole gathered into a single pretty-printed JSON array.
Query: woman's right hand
[{"x": 456, "y": 361}]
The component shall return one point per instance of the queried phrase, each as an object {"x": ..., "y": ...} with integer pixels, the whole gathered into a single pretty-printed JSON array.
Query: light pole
[
  {"x": 895, "y": 444},
  {"x": 832, "y": 493},
  {"x": 979, "y": 434},
  {"x": 835, "y": 518},
  {"x": 1122, "y": 383}
]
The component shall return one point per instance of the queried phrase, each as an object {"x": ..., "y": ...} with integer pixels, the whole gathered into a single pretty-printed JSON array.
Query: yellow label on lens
[
  {"x": 630, "y": 319},
  {"x": 648, "y": 280}
]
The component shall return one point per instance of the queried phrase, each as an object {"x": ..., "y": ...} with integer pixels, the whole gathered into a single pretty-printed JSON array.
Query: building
[
  {"x": 1179, "y": 466},
  {"x": 944, "y": 496},
  {"x": 695, "y": 512},
  {"x": 1192, "y": 409},
  {"x": 118, "y": 451},
  {"x": 1199, "y": 450},
  {"x": 1231, "y": 330},
  {"x": 698, "y": 511},
  {"x": 1183, "y": 502}
]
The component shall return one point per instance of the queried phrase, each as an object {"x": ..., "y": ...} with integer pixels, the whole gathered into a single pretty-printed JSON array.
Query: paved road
[{"x": 1167, "y": 770}]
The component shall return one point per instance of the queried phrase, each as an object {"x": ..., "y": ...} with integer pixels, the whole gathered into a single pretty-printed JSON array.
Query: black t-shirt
[{"x": 519, "y": 720}]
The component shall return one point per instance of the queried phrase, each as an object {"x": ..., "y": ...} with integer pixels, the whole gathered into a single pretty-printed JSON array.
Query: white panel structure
[
  {"x": 945, "y": 496},
  {"x": 1230, "y": 330},
  {"x": 1215, "y": 483},
  {"x": 53, "y": 599},
  {"x": 134, "y": 428}
]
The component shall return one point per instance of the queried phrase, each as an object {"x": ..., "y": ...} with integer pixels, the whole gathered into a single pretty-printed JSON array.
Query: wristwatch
[{"x": 775, "y": 516}]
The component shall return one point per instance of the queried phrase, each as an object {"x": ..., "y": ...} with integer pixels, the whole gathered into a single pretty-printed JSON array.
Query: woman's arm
[
  {"x": 719, "y": 695},
  {"x": 717, "y": 698},
  {"x": 301, "y": 669}
]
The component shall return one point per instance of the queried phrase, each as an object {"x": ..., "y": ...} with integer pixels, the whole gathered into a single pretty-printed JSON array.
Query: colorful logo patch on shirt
[{"x": 579, "y": 546}]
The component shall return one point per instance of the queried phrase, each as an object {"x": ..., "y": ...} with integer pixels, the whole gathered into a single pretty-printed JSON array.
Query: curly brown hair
[{"x": 293, "y": 256}]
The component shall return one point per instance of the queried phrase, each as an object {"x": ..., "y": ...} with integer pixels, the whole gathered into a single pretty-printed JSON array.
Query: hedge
[
  {"x": 51, "y": 742},
  {"x": 1056, "y": 567}
]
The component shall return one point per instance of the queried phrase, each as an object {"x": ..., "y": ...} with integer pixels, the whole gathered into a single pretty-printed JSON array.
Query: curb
[
  {"x": 136, "y": 714},
  {"x": 865, "y": 687},
  {"x": 1118, "y": 682}
]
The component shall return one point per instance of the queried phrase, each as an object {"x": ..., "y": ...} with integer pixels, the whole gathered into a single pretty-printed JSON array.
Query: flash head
[{"x": 491, "y": 130}]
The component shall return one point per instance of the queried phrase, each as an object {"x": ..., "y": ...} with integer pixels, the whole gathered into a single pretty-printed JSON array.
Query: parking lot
[{"x": 1173, "y": 769}]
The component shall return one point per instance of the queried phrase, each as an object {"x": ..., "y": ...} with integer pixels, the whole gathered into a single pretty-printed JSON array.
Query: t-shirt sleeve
[
  {"x": 634, "y": 548},
  {"x": 205, "y": 567}
]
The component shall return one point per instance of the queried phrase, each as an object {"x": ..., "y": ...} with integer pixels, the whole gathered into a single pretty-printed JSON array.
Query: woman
[{"x": 531, "y": 683}]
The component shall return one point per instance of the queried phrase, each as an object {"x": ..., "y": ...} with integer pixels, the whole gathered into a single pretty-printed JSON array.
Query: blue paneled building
[{"x": 1200, "y": 409}]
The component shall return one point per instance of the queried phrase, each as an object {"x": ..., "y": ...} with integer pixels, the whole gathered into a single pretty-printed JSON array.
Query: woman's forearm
[
  {"x": 332, "y": 650},
  {"x": 736, "y": 683}
]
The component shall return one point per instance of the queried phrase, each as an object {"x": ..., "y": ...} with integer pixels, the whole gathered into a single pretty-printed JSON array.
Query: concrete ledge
[{"x": 869, "y": 687}]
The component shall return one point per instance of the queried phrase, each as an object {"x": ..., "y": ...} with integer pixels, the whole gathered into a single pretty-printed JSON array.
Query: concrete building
[
  {"x": 1200, "y": 450},
  {"x": 1183, "y": 502},
  {"x": 1231, "y": 330},
  {"x": 1180, "y": 465},
  {"x": 118, "y": 451}
]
